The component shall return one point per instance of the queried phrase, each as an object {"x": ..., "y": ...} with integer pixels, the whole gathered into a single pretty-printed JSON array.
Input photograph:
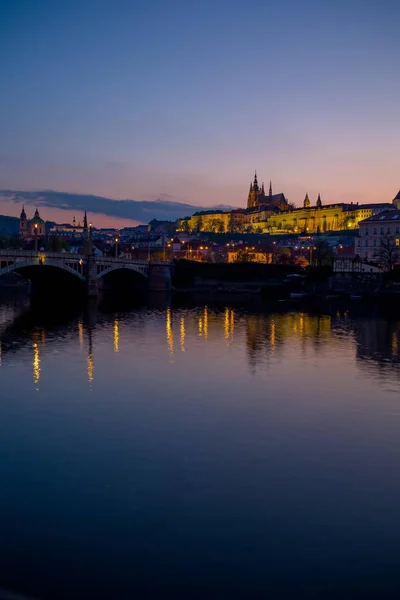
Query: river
[{"x": 198, "y": 453}]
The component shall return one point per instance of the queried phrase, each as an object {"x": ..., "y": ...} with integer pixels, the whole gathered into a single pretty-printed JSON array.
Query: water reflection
[
  {"x": 90, "y": 361},
  {"x": 182, "y": 334},
  {"x": 376, "y": 341},
  {"x": 270, "y": 428},
  {"x": 116, "y": 335},
  {"x": 170, "y": 334}
]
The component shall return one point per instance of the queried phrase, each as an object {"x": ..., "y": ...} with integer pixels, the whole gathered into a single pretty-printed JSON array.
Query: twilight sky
[{"x": 182, "y": 100}]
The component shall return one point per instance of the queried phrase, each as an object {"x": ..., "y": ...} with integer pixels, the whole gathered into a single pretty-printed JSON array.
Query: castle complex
[{"x": 271, "y": 213}]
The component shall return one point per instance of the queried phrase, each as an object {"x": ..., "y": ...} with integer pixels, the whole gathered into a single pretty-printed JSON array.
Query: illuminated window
[{"x": 397, "y": 242}]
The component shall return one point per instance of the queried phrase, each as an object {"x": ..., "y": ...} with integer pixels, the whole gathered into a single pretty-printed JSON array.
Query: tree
[
  {"x": 284, "y": 256},
  {"x": 243, "y": 256},
  {"x": 323, "y": 254},
  {"x": 301, "y": 261},
  {"x": 185, "y": 225},
  {"x": 388, "y": 254}
]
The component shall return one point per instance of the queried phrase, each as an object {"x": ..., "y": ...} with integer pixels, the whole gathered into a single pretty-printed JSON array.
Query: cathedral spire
[
  {"x": 319, "y": 201},
  {"x": 262, "y": 189},
  {"x": 85, "y": 227},
  {"x": 270, "y": 188},
  {"x": 255, "y": 184},
  {"x": 306, "y": 202}
]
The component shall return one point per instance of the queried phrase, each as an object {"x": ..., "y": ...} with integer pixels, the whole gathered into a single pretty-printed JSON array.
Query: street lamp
[
  {"x": 36, "y": 232},
  {"x": 116, "y": 247}
]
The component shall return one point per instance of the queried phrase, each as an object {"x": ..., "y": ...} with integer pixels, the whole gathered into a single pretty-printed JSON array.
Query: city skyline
[{"x": 182, "y": 103}]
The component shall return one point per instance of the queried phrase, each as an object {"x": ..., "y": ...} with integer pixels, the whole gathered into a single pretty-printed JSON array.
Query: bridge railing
[
  {"x": 72, "y": 256},
  {"x": 33, "y": 254}
]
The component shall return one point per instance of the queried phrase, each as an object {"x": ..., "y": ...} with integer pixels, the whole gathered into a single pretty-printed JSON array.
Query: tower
[
  {"x": 307, "y": 202},
  {"x": 23, "y": 224},
  {"x": 270, "y": 188},
  {"x": 85, "y": 226},
  {"x": 255, "y": 193},
  {"x": 319, "y": 201}
]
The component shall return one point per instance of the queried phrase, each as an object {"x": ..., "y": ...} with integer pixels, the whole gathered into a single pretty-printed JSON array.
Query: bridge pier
[
  {"x": 159, "y": 277},
  {"x": 92, "y": 283}
]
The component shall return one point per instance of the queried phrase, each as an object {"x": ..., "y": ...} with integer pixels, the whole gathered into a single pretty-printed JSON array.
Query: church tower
[
  {"x": 254, "y": 194},
  {"x": 307, "y": 202},
  {"x": 23, "y": 224},
  {"x": 319, "y": 201}
]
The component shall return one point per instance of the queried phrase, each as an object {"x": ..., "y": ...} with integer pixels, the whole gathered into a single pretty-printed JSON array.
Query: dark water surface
[{"x": 198, "y": 453}]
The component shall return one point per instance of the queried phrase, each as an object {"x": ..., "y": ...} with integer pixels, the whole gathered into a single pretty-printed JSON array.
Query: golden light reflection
[
  {"x": 272, "y": 336},
  {"x": 201, "y": 326},
  {"x": 205, "y": 323},
  {"x": 395, "y": 345},
  {"x": 80, "y": 333},
  {"x": 36, "y": 363},
  {"x": 226, "y": 323},
  {"x": 229, "y": 324},
  {"x": 90, "y": 365},
  {"x": 116, "y": 335},
  {"x": 182, "y": 333},
  {"x": 170, "y": 334},
  {"x": 90, "y": 360}
]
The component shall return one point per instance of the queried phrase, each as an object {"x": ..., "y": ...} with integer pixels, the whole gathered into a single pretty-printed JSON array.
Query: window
[
  {"x": 374, "y": 242},
  {"x": 397, "y": 242},
  {"x": 374, "y": 230},
  {"x": 389, "y": 230},
  {"x": 397, "y": 229},
  {"x": 366, "y": 231},
  {"x": 359, "y": 243},
  {"x": 366, "y": 243},
  {"x": 381, "y": 230}
]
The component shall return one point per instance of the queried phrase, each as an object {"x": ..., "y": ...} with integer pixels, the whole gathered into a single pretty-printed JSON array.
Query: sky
[{"x": 181, "y": 101}]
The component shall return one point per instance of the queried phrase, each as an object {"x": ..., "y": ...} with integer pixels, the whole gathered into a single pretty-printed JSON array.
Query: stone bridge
[{"x": 89, "y": 269}]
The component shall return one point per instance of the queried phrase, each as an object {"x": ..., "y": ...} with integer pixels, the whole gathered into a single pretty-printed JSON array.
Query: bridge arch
[
  {"x": 140, "y": 269},
  {"x": 32, "y": 263}
]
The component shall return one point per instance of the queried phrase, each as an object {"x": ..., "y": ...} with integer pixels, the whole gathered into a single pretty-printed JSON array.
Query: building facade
[{"x": 378, "y": 231}]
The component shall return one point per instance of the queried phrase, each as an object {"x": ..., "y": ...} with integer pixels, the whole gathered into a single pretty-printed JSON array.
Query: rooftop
[{"x": 384, "y": 216}]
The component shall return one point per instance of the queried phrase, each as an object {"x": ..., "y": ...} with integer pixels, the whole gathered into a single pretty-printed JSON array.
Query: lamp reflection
[
  {"x": 169, "y": 332},
  {"x": 90, "y": 361},
  {"x": 182, "y": 334},
  {"x": 80, "y": 333},
  {"x": 229, "y": 324},
  {"x": 205, "y": 323},
  {"x": 36, "y": 363},
  {"x": 272, "y": 335},
  {"x": 116, "y": 336}
]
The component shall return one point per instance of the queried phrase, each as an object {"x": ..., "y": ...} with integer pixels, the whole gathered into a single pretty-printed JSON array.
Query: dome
[{"x": 37, "y": 220}]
